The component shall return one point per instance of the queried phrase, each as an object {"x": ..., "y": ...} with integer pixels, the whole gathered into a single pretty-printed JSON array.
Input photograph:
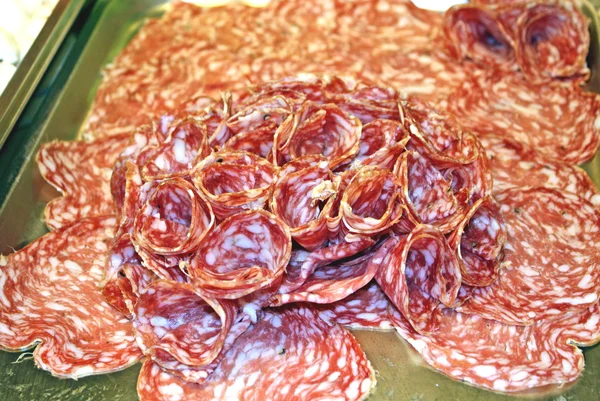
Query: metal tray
[{"x": 401, "y": 374}]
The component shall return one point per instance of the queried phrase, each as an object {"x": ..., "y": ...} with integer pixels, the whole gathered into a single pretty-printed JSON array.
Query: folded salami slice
[
  {"x": 186, "y": 143},
  {"x": 175, "y": 325},
  {"x": 475, "y": 33},
  {"x": 479, "y": 241},
  {"x": 417, "y": 273},
  {"x": 379, "y": 134},
  {"x": 553, "y": 42},
  {"x": 258, "y": 141},
  {"x": 174, "y": 219},
  {"x": 371, "y": 203},
  {"x": 290, "y": 355},
  {"x": 500, "y": 357},
  {"x": 262, "y": 112},
  {"x": 319, "y": 129},
  {"x": 51, "y": 299},
  {"x": 551, "y": 258},
  {"x": 302, "y": 199},
  {"x": 234, "y": 181},
  {"x": 368, "y": 103},
  {"x": 560, "y": 122},
  {"x": 515, "y": 165},
  {"x": 247, "y": 252},
  {"x": 366, "y": 309},
  {"x": 81, "y": 172}
]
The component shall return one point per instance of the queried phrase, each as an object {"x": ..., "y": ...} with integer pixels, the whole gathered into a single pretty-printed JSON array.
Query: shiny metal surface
[{"x": 401, "y": 374}]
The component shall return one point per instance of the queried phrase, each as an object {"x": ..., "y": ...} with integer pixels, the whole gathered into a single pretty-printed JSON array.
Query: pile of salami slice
[{"x": 231, "y": 243}]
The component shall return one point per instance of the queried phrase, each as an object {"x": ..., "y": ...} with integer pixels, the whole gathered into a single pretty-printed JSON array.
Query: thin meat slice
[
  {"x": 50, "y": 298},
  {"x": 479, "y": 241},
  {"x": 81, "y": 171},
  {"x": 289, "y": 355},
  {"x": 174, "y": 219},
  {"x": 368, "y": 103},
  {"x": 417, "y": 273},
  {"x": 262, "y": 112},
  {"x": 258, "y": 141},
  {"x": 247, "y": 252},
  {"x": 475, "y": 33},
  {"x": 560, "y": 122},
  {"x": 184, "y": 331},
  {"x": 501, "y": 357},
  {"x": 551, "y": 258},
  {"x": 302, "y": 199},
  {"x": 553, "y": 42},
  {"x": 379, "y": 134},
  {"x": 515, "y": 165},
  {"x": 234, "y": 181}
]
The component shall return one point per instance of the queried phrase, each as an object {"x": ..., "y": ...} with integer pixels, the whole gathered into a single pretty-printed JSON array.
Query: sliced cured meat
[
  {"x": 479, "y": 240},
  {"x": 186, "y": 143},
  {"x": 427, "y": 195},
  {"x": 514, "y": 165},
  {"x": 560, "y": 122},
  {"x": 418, "y": 271},
  {"x": 290, "y": 354},
  {"x": 379, "y": 134},
  {"x": 263, "y": 112},
  {"x": 368, "y": 103},
  {"x": 248, "y": 251},
  {"x": 302, "y": 199},
  {"x": 234, "y": 181},
  {"x": 366, "y": 309},
  {"x": 81, "y": 172},
  {"x": 174, "y": 220},
  {"x": 475, "y": 33},
  {"x": 50, "y": 299},
  {"x": 551, "y": 258},
  {"x": 500, "y": 357},
  {"x": 371, "y": 203},
  {"x": 181, "y": 330},
  {"x": 319, "y": 130},
  {"x": 334, "y": 217},
  {"x": 258, "y": 141},
  {"x": 553, "y": 42}
]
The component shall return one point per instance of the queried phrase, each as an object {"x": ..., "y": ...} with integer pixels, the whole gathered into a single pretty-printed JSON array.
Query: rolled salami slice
[
  {"x": 51, "y": 299},
  {"x": 501, "y": 357},
  {"x": 290, "y": 355},
  {"x": 417, "y": 273},
  {"x": 553, "y": 42},
  {"x": 247, "y": 252},
  {"x": 551, "y": 258},
  {"x": 81, "y": 172},
  {"x": 234, "y": 181},
  {"x": 479, "y": 241}
]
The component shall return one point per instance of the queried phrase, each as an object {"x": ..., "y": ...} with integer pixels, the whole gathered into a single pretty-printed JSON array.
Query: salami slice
[
  {"x": 553, "y": 42},
  {"x": 368, "y": 103},
  {"x": 479, "y": 240},
  {"x": 475, "y": 33},
  {"x": 81, "y": 172},
  {"x": 550, "y": 266},
  {"x": 290, "y": 354},
  {"x": 50, "y": 299},
  {"x": 302, "y": 199},
  {"x": 186, "y": 143},
  {"x": 234, "y": 181},
  {"x": 417, "y": 273},
  {"x": 500, "y": 357},
  {"x": 379, "y": 134},
  {"x": 175, "y": 325},
  {"x": 560, "y": 122},
  {"x": 258, "y": 141},
  {"x": 263, "y": 112},
  {"x": 246, "y": 252},
  {"x": 514, "y": 165}
]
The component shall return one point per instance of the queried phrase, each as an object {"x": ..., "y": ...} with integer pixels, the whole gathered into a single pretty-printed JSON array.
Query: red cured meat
[
  {"x": 302, "y": 199},
  {"x": 551, "y": 258},
  {"x": 234, "y": 181},
  {"x": 368, "y": 103},
  {"x": 181, "y": 330},
  {"x": 50, "y": 299},
  {"x": 514, "y": 165},
  {"x": 379, "y": 134},
  {"x": 479, "y": 241},
  {"x": 81, "y": 172},
  {"x": 259, "y": 142},
  {"x": 290, "y": 354},
  {"x": 500, "y": 357},
  {"x": 418, "y": 273},
  {"x": 560, "y": 122},
  {"x": 246, "y": 252},
  {"x": 553, "y": 42},
  {"x": 262, "y": 112}
]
